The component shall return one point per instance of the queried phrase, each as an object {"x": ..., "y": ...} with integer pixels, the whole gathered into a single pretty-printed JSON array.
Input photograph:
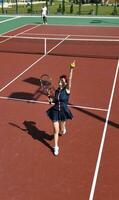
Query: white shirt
[{"x": 44, "y": 11}]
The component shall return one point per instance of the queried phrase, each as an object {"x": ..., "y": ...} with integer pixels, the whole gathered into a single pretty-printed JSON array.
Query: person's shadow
[{"x": 40, "y": 135}]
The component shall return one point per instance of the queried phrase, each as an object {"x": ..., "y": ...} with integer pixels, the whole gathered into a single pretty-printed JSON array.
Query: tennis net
[{"x": 82, "y": 47}]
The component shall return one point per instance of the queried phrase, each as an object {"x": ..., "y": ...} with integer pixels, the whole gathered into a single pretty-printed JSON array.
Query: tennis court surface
[{"x": 87, "y": 166}]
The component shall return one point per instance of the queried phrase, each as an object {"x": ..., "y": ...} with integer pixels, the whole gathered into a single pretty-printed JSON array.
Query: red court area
[{"x": 87, "y": 165}]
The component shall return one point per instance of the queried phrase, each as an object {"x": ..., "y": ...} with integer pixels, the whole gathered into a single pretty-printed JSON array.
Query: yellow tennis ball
[{"x": 72, "y": 65}]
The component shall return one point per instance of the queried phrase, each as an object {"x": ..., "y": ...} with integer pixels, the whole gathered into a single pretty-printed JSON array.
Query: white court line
[
  {"x": 91, "y": 197},
  {"x": 27, "y": 68},
  {"x": 22, "y": 73},
  {"x": 6, "y": 20},
  {"x": 90, "y": 36},
  {"x": 67, "y": 38},
  {"x": 32, "y": 64},
  {"x": 46, "y": 34},
  {"x": 17, "y": 35},
  {"x": 89, "y": 108},
  {"x": 46, "y": 102},
  {"x": 14, "y": 29},
  {"x": 67, "y": 16},
  {"x": 57, "y": 44}
]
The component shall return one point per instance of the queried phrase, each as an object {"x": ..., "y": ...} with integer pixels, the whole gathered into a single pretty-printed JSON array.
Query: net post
[{"x": 45, "y": 48}]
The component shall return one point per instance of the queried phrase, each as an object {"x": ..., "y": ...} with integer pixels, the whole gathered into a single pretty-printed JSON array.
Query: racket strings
[{"x": 45, "y": 87}]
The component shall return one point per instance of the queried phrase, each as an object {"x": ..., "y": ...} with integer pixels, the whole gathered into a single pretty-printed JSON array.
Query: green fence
[{"x": 60, "y": 7}]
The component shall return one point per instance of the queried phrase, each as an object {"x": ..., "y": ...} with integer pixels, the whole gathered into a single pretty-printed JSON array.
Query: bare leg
[
  {"x": 56, "y": 132},
  {"x": 56, "y": 137},
  {"x": 63, "y": 127}
]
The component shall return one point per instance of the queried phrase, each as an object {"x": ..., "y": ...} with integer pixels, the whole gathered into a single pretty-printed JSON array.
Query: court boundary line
[
  {"x": 14, "y": 29},
  {"x": 80, "y": 25},
  {"x": 83, "y": 25},
  {"x": 90, "y": 36},
  {"x": 22, "y": 73},
  {"x": 46, "y": 102},
  {"x": 17, "y": 36},
  {"x": 9, "y": 38},
  {"x": 66, "y": 16},
  {"x": 91, "y": 197},
  {"x": 13, "y": 18}
]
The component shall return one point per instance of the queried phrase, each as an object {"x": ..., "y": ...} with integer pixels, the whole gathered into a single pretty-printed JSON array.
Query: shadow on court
[
  {"x": 43, "y": 84},
  {"x": 98, "y": 21},
  {"x": 29, "y": 96},
  {"x": 33, "y": 80},
  {"x": 22, "y": 95},
  {"x": 96, "y": 117},
  {"x": 35, "y": 133}
]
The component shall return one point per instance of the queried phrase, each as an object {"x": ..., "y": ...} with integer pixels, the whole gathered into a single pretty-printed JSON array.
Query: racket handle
[{"x": 50, "y": 99}]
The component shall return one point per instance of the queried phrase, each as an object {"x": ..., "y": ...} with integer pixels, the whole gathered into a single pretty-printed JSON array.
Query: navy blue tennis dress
[{"x": 60, "y": 110}]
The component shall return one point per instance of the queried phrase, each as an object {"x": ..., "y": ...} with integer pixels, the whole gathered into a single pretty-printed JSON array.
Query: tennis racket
[
  {"x": 45, "y": 80},
  {"x": 45, "y": 83}
]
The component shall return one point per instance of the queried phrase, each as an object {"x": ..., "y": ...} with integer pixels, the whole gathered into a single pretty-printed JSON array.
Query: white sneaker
[{"x": 56, "y": 151}]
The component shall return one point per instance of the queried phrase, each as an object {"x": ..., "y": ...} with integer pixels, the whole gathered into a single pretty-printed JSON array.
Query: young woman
[{"x": 60, "y": 112}]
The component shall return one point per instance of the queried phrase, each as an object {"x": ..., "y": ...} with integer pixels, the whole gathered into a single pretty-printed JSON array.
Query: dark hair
[{"x": 65, "y": 77}]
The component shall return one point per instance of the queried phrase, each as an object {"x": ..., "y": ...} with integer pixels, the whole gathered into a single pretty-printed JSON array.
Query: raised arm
[{"x": 71, "y": 68}]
